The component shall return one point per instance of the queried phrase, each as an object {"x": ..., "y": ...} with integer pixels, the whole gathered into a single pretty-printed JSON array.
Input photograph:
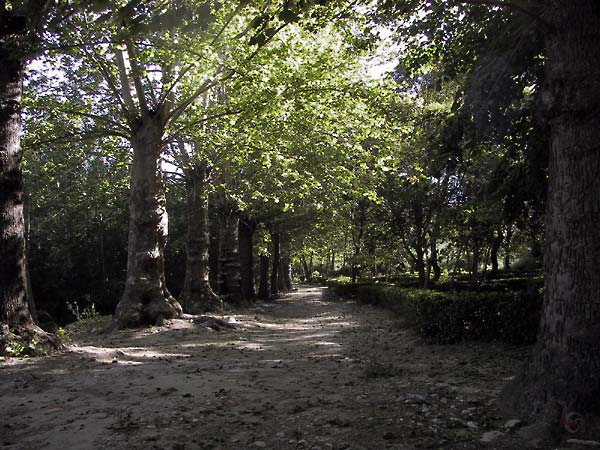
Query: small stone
[
  {"x": 472, "y": 425},
  {"x": 280, "y": 434},
  {"x": 512, "y": 424},
  {"x": 490, "y": 436},
  {"x": 260, "y": 444}
]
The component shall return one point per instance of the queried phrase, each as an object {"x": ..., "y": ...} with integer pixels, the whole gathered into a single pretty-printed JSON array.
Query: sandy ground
[{"x": 307, "y": 371}]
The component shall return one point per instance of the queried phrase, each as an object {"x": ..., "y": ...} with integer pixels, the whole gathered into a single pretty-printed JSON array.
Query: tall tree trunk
[
  {"x": 197, "y": 296},
  {"x": 307, "y": 274},
  {"x": 333, "y": 260},
  {"x": 263, "y": 283},
  {"x": 507, "y": 242},
  {"x": 275, "y": 262},
  {"x": 215, "y": 230},
  {"x": 433, "y": 262},
  {"x": 15, "y": 313},
  {"x": 420, "y": 266},
  {"x": 285, "y": 266},
  {"x": 496, "y": 244},
  {"x": 475, "y": 260},
  {"x": 146, "y": 299},
  {"x": 14, "y": 309},
  {"x": 229, "y": 258},
  {"x": 563, "y": 375},
  {"x": 246, "y": 234}
]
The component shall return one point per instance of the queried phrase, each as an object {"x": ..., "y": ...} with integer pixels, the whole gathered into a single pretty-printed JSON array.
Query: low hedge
[{"x": 448, "y": 317}]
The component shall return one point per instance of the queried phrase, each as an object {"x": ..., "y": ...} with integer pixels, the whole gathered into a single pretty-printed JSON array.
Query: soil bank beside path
[{"x": 304, "y": 372}]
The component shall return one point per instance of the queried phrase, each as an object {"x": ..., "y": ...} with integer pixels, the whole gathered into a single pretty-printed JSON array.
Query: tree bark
[
  {"x": 275, "y": 262},
  {"x": 496, "y": 244},
  {"x": 263, "y": 284},
  {"x": 507, "y": 242},
  {"x": 15, "y": 313},
  {"x": 475, "y": 260},
  {"x": 14, "y": 309},
  {"x": 215, "y": 230},
  {"x": 563, "y": 375},
  {"x": 307, "y": 274},
  {"x": 197, "y": 296},
  {"x": 146, "y": 299},
  {"x": 286, "y": 266},
  {"x": 246, "y": 234},
  {"x": 434, "y": 263},
  {"x": 229, "y": 258}
]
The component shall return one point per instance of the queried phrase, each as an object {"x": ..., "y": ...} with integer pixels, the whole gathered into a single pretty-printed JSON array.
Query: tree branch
[{"x": 515, "y": 6}]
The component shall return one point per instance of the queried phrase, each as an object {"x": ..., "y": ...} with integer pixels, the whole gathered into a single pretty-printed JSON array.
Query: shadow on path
[{"x": 306, "y": 371}]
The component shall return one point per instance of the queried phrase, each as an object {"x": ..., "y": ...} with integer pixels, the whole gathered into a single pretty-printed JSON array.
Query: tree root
[{"x": 29, "y": 340}]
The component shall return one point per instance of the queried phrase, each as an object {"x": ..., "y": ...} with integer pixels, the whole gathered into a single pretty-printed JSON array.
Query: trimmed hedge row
[{"x": 448, "y": 317}]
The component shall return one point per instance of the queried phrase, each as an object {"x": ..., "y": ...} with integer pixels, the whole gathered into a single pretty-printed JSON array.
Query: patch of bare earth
[{"x": 306, "y": 371}]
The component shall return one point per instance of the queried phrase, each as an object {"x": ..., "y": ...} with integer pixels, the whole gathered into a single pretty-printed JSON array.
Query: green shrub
[{"x": 447, "y": 317}]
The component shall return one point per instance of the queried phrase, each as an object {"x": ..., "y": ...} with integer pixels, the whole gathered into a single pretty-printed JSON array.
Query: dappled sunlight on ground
[{"x": 299, "y": 373}]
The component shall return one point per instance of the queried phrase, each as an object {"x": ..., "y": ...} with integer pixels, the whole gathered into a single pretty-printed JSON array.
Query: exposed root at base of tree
[
  {"x": 28, "y": 340},
  {"x": 213, "y": 323}
]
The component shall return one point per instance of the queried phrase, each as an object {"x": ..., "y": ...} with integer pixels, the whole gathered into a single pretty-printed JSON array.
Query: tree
[
  {"x": 19, "y": 32},
  {"x": 154, "y": 63},
  {"x": 562, "y": 376}
]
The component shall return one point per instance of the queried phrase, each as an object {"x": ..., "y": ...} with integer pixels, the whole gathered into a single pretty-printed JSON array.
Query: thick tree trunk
[
  {"x": 263, "y": 283},
  {"x": 229, "y": 258},
  {"x": 275, "y": 262},
  {"x": 285, "y": 264},
  {"x": 564, "y": 374},
  {"x": 146, "y": 299},
  {"x": 15, "y": 314},
  {"x": 14, "y": 309},
  {"x": 197, "y": 296},
  {"x": 246, "y": 234}
]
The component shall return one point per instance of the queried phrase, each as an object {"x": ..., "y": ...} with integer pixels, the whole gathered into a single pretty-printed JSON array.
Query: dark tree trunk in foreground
[
  {"x": 197, "y": 296},
  {"x": 275, "y": 262},
  {"x": 15, "y": 314},
  {"x": 229, "y": 258},
  {"x": 14, "y": 309},
  {"x": 146, "y": 299},
  {"x": 263, "y": 277},
  {"x": 246, "y": 234},
  {"x": 564, "y": 374}
]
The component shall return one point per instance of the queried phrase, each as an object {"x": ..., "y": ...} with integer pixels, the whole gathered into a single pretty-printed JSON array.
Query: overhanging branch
[{"x": 511, "y": 5}]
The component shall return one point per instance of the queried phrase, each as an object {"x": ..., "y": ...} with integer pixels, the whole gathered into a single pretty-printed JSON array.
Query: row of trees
[{"x": 261, "y": 110}]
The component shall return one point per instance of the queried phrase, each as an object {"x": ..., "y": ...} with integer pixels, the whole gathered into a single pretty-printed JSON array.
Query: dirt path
[{"x": 302, "y": 372}]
